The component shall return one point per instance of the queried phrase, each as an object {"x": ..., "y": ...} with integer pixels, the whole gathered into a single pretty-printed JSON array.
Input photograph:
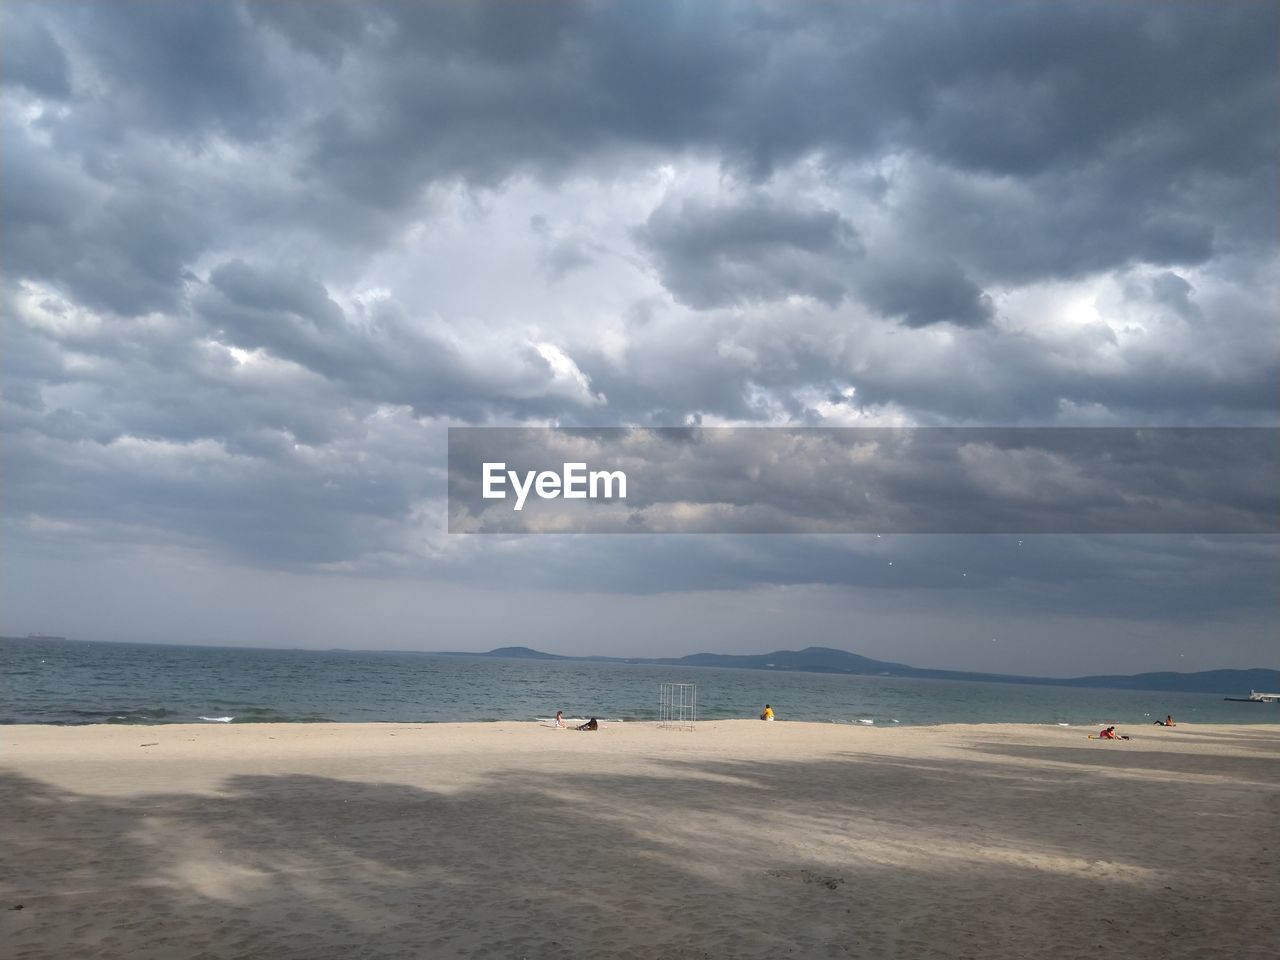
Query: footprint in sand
[{"x": 808, "y": 876}]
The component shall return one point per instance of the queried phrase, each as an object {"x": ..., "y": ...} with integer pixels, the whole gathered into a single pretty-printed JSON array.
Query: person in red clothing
[{"x": 1108, "y": 734}]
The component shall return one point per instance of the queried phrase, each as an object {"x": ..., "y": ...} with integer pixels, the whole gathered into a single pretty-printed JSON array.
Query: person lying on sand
[{"x": 592, "y": 724}]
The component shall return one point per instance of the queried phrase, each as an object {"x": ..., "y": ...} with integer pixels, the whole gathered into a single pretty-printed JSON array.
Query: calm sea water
[{"x": 68, "y": 682}]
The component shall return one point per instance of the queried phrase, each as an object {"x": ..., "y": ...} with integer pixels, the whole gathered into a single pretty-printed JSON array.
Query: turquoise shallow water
[{"x": 68, "y": 682}]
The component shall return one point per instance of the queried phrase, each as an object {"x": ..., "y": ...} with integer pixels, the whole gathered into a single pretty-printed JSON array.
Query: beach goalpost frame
[{"x": 677, "y": 705}]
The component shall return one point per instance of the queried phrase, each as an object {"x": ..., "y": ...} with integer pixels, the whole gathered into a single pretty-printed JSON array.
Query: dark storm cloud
[
  {"x": 390, "y": 358},
  {"x": 98, "y": 382},
  {"x": 1017, "y": 382},
  {"x": 324, "y": 30},
  {"x": 1120, "y": 129},
  {"x": 712, "y": 256},
  {"x": 123, "y": 246},
  {"x": 189, "y": 70},
  {"x": 930, "y": 293},
  {"x": 1013, "y": 90},
  {"x": 1176, "y": 293},
  {"x": 289, "y": 507},
  {"x": 216, "y": 334},
  {"x": 30, "y": 56},
  {"x": 1062, "y": 224},
  {"x": 286, "y": 311},
  {"x": 1023, "y": 88},
  {"x": 482, "y": 91}
]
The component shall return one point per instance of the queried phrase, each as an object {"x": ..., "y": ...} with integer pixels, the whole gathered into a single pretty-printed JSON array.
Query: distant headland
[
  {"x": 832, "y": 661},
  {"x": 829, "y": 660}
]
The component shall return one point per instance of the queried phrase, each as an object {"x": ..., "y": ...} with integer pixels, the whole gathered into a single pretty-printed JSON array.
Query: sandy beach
[{"x": 740, "y": 839}]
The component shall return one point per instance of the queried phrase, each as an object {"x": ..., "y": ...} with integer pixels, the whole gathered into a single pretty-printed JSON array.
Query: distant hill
[
  {"x": 829, "y": 660},
  {"x": 523, "y": 653},
  {"x": 810, "y": 660},
  {"x": 1239, "y": 682}
]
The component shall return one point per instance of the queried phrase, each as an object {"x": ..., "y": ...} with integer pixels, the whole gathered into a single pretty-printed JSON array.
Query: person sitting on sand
[
  {"x": 1108, "y": 734},
  {"x": 1166, "y": 722},
  {"x": 768, "y": 713},
  {"x": 592, "y": 724},
  {"x": 559, "y": 724}
]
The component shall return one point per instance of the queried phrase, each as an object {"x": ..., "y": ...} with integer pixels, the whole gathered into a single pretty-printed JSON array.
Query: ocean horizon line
[{"x": 803, "y": 660}]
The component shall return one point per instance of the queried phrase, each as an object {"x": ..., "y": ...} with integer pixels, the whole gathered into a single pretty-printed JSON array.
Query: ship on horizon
[{"x": 43, "y": 636}]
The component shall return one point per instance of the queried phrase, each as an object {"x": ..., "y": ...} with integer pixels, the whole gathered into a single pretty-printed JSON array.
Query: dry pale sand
[{"x": 741, "y": 839}]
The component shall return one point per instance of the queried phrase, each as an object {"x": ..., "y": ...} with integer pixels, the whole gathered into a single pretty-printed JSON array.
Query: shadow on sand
[{"x": 1015, "y": 851}]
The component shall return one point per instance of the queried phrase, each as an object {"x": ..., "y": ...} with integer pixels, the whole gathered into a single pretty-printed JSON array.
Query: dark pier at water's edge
[{"x": 1256, "y": 697}]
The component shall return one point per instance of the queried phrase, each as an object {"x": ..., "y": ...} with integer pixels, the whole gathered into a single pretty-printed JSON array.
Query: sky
[{"x": 256, "y": 259}]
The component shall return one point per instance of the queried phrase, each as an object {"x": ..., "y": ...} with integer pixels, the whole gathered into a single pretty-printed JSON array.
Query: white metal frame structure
[{"x": 677, "y": 705}]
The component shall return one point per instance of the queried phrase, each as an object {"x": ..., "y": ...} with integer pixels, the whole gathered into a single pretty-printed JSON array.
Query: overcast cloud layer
[{"x": 258, "y": 256}]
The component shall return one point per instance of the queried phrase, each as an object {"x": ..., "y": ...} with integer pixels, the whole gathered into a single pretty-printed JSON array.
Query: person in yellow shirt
[{"x": 768, "y": 713}]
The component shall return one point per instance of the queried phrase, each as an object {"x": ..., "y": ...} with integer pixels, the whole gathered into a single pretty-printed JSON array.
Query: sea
[{"x": 77, "y": 682}]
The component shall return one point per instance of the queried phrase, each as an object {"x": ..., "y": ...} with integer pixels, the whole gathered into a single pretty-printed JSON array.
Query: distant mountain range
[{"x": 828, "y": 660}]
